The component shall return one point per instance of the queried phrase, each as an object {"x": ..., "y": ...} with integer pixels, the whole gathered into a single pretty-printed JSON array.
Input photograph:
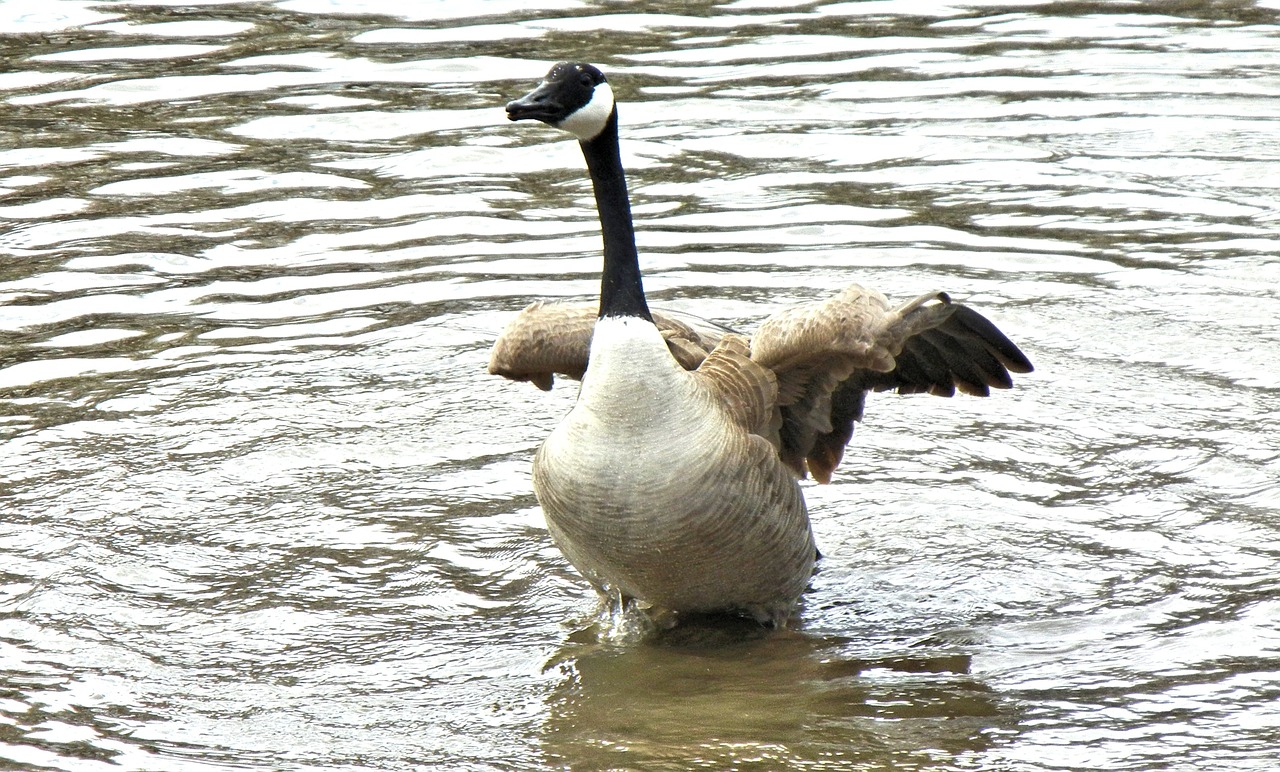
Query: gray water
[{"x": 261, "y": 507}]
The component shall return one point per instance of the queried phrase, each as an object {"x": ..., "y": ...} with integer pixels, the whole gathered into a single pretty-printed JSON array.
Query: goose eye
[{"x": 585, "y": 80}]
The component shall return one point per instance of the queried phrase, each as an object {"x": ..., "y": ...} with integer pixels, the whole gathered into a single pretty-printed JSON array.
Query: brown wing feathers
[
  {"x": 549, "y": 339},
  {"x": 748, "y": 390},
  {"x": 937, "y": 347},
  {"x": 966, "y": 351},
  {"x": 802, "y": 379}
]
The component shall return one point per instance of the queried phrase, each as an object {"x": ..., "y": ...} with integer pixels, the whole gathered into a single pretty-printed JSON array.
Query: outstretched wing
[
  {"x": 549, "y": 339},
  {"x": 827, "y": 355},
  {"x": 824, "y": 357},
  {"x": 966, "y": 352}
]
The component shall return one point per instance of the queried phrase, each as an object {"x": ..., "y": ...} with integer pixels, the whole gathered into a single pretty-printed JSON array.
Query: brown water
[{"x": 262, "y": 507}]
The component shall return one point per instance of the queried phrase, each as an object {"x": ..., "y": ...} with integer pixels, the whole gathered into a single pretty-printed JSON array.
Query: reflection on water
[
  {"x": 783, "y": 701},
  {"x": 261, "y": 507}
]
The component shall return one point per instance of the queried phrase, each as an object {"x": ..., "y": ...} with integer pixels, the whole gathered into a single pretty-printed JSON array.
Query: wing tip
[{"x": 996, "y": 341}]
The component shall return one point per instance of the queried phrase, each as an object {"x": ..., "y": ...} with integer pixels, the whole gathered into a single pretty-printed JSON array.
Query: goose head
[{"x": 573, "y": 96}]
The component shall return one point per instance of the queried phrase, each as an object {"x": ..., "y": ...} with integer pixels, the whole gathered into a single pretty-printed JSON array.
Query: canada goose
[{"x": 673, "y": 480}]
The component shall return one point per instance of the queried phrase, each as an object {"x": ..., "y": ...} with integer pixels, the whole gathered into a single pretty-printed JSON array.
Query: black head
[{"x": 574, "y": 97}]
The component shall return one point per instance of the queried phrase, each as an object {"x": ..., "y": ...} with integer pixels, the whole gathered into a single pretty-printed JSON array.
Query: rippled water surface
[{"x": 263, "y": 508}]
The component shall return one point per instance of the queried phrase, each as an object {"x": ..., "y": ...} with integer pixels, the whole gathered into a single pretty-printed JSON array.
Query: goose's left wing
[{"x": 827, "y": 355}]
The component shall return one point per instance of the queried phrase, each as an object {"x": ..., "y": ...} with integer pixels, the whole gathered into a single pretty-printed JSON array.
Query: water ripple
[{"x": 264, "y": 508}]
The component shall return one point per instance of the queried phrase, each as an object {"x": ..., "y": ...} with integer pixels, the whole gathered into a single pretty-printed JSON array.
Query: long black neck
[{"x": 621, "y": 291}]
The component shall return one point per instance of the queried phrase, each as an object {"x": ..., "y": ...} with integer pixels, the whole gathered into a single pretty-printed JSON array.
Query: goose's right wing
[{"x": 549, "y": 339}]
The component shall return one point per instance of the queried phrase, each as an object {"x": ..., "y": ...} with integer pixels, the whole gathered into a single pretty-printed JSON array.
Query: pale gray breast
[{"x": 681, "y": 508}]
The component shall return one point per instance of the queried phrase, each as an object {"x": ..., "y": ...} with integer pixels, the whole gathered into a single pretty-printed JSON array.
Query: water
[{"x": 263, "y": 508}]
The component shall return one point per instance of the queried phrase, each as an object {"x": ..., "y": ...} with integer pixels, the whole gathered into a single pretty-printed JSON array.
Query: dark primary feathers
[{"x": 822, "y": 358}]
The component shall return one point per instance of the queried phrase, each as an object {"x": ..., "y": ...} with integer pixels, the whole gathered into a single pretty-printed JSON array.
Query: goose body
[
  {"x": 654, "y": 488},
  {"x": 674, "y": 478}
]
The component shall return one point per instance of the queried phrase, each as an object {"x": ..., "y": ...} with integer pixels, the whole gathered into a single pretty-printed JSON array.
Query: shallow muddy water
[{"x": 261, "y": 507}]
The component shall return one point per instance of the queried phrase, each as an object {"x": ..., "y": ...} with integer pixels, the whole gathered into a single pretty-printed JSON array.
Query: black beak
[{"x": 539, "y": 105}]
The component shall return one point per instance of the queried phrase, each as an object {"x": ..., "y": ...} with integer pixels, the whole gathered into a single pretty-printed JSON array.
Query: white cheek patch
[{"x": 589, "y": 120}]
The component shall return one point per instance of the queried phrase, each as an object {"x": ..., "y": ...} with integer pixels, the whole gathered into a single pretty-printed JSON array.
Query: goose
[{"x": 672, "y": 484}]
